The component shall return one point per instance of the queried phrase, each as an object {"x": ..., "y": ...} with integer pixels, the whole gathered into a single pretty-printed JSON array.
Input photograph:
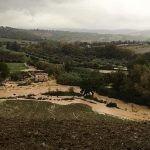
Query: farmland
[
  {"x": 42, "y": 125},
  {"x": 144, "y": 48},
  {"x": 16, "y": 67}
]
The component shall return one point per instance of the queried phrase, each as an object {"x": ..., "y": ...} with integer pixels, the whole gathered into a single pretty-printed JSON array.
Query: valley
[{"x": 60, "y": 93}]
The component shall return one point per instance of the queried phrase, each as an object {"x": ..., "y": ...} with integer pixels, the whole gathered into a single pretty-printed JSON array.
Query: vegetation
[
  {"x": 79, "y": 55},
  {"x": 61, "y": 93},
  {"x": 51, "y": 69},
  {"x": 13, "y": 46},
  {"x": 43, "y": 125},
  {"x": 19, "y": 76},
  {"x": 117, "y": 85},
  {"x": 12, "y": 33},
  {"x": 139, "y": 48},
  {"x": 4, "y": 71},
  {"x": 67, "y": 36},
  {"x": 78, "y": 64},
  {"x": 12, "y": 56},
  {"x": 45, "y": 110},
  {"x": 70, "y": 78},
  {"x": 16, "y": 67}
]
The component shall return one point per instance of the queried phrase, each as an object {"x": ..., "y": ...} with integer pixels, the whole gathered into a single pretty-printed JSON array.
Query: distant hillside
[
  {"x": 72, "y": 36},
  {"x": 86, "y": 36},
  {"x": 19, "y": 34}
]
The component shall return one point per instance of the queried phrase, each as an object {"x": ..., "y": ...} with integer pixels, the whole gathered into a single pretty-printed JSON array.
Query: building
[{"x": 41, "y": 77}]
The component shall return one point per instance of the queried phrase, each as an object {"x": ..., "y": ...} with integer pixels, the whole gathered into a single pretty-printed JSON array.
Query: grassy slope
[
  {"x": 18, "y": 34},
  {"x": 36, "y": 35},
  {"x": 43, "y": 125},
  {"x": 15, "y": 67},
  {"x": 17, "y": 40},
  {"x": 141, "y": 49},
  {"x": 44, "y": 111}
]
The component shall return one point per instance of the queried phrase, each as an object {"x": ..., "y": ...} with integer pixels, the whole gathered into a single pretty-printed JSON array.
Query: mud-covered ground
[
  {"x": 11, "y": 90},
  {"x": 39, "y": 125}
]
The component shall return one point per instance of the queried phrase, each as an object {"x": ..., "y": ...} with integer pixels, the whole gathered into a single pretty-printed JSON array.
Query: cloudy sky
[{"x": 83, "y": 14}]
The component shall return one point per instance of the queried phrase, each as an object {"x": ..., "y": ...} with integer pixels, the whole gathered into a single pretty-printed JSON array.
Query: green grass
[
  {"x": 45, "y": 110},
  {"x": 16, "y": 67}
]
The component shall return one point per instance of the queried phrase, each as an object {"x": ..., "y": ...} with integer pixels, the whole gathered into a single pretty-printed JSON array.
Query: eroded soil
[{"x": 126, "y": 110}]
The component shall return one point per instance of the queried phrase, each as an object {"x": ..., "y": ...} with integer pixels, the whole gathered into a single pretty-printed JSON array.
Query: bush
[
  {"x": 11, "y": 56},
  {"x": 19, "y": 76},
  {"x": 4, "y": 71},
  {"x": 26, "y": 83},
  {"x": 71, "y": 78},
  {"x": 51, "y": 69},
  {"x": 61, "y": 93}
]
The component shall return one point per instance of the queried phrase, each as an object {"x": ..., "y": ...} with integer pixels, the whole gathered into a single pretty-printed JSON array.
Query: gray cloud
[{"x": 92, "y": 14}]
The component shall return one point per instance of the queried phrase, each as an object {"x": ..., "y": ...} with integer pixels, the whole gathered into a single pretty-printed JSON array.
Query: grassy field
[
  {"x": 139, "y": 48},
  {"x": 17, "y": 40},
  {"x": 45, "y": 126},
  {"x": 15, "y": 67},
  {"x": 45, "y": 111}
]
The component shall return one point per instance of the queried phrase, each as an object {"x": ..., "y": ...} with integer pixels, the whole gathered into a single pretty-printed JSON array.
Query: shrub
[
  {"x": 70, "y": 78},
  {"x": 4, "y": 71},
  {"x": 51, "y": 69},
  {"x": 19, "y": 76},
  {"x": 26, "y": 83},
  {"x": 61, "y": 93}
]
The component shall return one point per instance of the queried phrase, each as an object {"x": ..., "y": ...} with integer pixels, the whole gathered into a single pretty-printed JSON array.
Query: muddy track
[{"x": 125, "y": 111}]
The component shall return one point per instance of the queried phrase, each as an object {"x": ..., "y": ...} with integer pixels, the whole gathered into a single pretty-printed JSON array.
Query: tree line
[{"x": 70, "y": 64}]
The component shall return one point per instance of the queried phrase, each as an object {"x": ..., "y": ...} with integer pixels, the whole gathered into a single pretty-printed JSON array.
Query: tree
[
  {"x": 119, "y": 80},
  {"x": 140, "y": 76},
  {"x": 68, "y": 66},
  {"x": 13, "y": 46},
  {"x": 70, "y": 78},
  {"x": 91, "y": 83},
  {"x": 4, "y": 71},
  {"x": 86, "y": 87},
  {"x": 1, "y": 44}
]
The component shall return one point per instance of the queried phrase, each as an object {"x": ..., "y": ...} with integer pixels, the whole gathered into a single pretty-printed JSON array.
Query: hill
[
  {"x": 18, "y": 34},
  {"x": 87, "y": 36},
  {"x": 72, "y": 36}
]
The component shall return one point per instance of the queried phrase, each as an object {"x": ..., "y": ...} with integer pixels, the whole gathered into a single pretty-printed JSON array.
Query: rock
[{"x": 112, "y": 105}]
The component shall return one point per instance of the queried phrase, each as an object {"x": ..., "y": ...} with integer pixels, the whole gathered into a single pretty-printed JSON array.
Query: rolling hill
[
  {"x": 18, "y": 34},
  {"x": 74, "y": 35}
]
